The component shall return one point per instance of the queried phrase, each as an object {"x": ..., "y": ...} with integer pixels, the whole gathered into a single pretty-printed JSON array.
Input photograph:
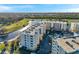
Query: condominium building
[
  {"x": 59, "y": 26},
  {"x": 31, "y": 37},
  {"x": 74, "y": 27}
]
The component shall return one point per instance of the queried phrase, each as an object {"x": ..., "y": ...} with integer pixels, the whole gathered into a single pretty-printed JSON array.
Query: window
[
  {"x": 57, "y": 49},
  {"x": 58, "y": 46},
  {"x": 36, "y": 33},
  {"x": 40, "y": 30},
  {"x": 31, "y": 37},
  {"x": 31, "y": 44},
  {"x": 24, "y": 36},
  {"x": 31, "y": 40},
  {"x": 57, "y": 52},
  {"x": 25, "y": 40}
]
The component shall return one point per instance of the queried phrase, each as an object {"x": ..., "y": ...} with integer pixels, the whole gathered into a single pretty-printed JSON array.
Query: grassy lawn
[
  {"x": 2, "y": 46},
  {"x": 15, "y": 26},
  {"x": 0, "y": 25}
]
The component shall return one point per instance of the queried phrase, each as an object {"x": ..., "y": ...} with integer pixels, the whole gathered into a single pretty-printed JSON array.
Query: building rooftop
[
  {"x": 69, "y": 45},
  {"x": 32, "y": 28}
]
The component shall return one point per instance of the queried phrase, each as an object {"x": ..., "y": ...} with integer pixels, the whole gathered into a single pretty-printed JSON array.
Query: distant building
[
  {"x": 59, "y": 25},
  {"x": 74, "y": 27}
]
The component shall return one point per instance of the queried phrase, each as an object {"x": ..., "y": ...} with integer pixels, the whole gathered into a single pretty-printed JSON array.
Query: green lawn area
[
  {"x": 1, "y": 47},
  {"x": 0, "y": 25},
  {"x": 15, "y": 26}
]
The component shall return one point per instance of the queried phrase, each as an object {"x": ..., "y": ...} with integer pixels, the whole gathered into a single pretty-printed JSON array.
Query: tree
[
  {"x": 5, "y": 43},
  {"x": 24, "y": 50},
  {"x": 12, "y": 47}
]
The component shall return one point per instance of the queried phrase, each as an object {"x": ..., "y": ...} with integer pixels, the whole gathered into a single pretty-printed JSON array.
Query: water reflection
[
  {"x": 3, "y": 38},
  {"x": 8, "y": 36}
]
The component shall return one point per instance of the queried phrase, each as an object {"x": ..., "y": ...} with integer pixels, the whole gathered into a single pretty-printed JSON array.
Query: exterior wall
[
  {"x": 22, "y": 39},
  {"x": 48, "y": 25},
  {"x": 64, "y": 26},
  {"x": 74, "y": 27},
  {"x": 56, "y": 49},
  {"x": 77, "y": 26},
  {"x": 29, "y": 41},
  {"x": 58, "y": 26}
]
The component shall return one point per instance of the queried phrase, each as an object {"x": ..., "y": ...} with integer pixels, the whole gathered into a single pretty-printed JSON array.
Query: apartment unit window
[
  {"x": 24, "y": 36},
  {"x": 40, "y": 30},
  {"x": 31, "y": 40},
  {"x": 57, "y": 52},
  {"x": 57, "y": 49},
  {"x": 25, "y": 40},
  {"x": 31, "y": 44},
  {"x": 58, "y": 46},
  {"x": 27, "y": 35},
  {"x": 31, "y": 36},
  {"x": 36, "y": 33}
]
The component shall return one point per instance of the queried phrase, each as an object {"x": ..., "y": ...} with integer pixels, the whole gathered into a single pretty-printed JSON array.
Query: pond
[{"x": 9, "y": 36}]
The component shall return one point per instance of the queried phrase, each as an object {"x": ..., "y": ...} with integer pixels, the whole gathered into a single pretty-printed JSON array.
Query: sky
[{"x": 39, "y": 7}]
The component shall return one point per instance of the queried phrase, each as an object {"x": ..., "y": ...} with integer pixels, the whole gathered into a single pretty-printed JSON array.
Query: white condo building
[
  {"x": 31, "y": 37},
  {"x": 59, "y": 25},
  {"x": 74, "y": 26}
]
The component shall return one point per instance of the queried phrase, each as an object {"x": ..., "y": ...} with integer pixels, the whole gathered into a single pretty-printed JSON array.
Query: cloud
[
  {"x": 75, "y": 9},
  {"x": 72, "y": 10},
  {"x": 13, "y": 8},
  {"x": 4, "y": 8},
  {"x": 23, "y": 6}
]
